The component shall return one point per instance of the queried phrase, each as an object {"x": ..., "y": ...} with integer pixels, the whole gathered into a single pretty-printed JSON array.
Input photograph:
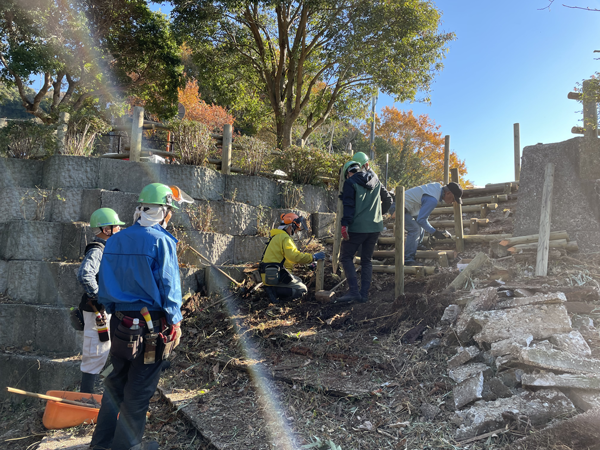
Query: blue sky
[{"x": 511, "y": 62}]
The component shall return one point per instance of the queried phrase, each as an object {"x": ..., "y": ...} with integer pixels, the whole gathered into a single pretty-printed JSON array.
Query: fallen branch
[{"x": 483, "y": 436}]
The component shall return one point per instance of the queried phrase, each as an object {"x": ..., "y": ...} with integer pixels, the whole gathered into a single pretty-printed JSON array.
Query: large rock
[
  {"x": 25, "y": 173},
  {"x": 505, "y": 346},
  {"x": 468, "y": 391},
  {"x": 200, "y": 183},
  {"x": 540, "y": 407},
  {"x": 549, "y": 379},
  {"x": 255, "y": 191},
  {"x": 127, "y": 176},
  {"x": 539, "y": 299},
  {"x": 539, "y": 321},
  {"x": 463, "y": 355},
  {"x": 460, "y": 374},
  {"x": 558, "y": 360},
  {"x": 62, "y": 171},
  {"x": 572, "y": 342}
]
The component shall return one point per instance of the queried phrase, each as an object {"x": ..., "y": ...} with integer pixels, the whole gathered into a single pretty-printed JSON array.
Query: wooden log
[
  {"x": 408, "y": 270},
  {"x": 499, "y": 189},
  {"x": 543, "y": 245},
  {"x": 480, "y": 200},
  {"x": 483, "y": 211},
  {"x": 462, "y": 278},
  {"x": 468, "y": 208},
  {"x": 337, "y": 233},
  {"x": 553, "y": 254},
  {"x": 446, "y": 159},
  {"x": 450, "y": 223},
  {"x": 533, "y": 238},
  {"x": 226, "y": 149},
  {"x": 517, "y": 147},
  {"x": 512, "y": 184},
  {"x": 558, "y": 243},
  {"x": 458, "y": 218},
  {"x": 443, "y": 260},
  {"x": 421, "y": 254},
  {"x": 399, "y": 269},
  {"x": 478, "y": 238},
  {"x": 570, "y": 247},
  {"x": 320, "y": 275},
  {"x": 136, "y": 134},
  {"x": 474, "y": 227}
]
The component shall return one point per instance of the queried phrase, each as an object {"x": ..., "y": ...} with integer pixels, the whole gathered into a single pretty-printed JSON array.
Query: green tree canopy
[
  {"x": 350, "y": 47},
  {"x": 87, "y": 52}
]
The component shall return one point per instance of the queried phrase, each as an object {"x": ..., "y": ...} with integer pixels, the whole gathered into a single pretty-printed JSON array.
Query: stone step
[
  {"x": 55, "y": 284},
  {"x": 75, "y": 172},
  {"x": 38, "y": 328},
  {"x": 36, "y": 374}
]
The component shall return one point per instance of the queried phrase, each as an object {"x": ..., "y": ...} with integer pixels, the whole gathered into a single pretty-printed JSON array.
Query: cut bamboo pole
[
  {"x": 320, "y": 276},
  {"x": 461, "y": 280},
  {"x": 533, "y": 238},
  {"x": 337, "y": 235},
  {"x": 399, "y": 269},
  {"x": 480, "y": 200},
  {"x": 541, "y": 265},
  {"x": 458, "y": 219},
  {"x": 468, "y": 208},
  {"x": 52, "y": 398}
]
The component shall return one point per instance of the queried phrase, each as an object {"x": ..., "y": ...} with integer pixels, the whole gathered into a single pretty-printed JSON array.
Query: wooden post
[
  {"x": 443, "y": 259},
  {"x": 541, "y": 265},
  {"x": 226, "y": 150},
  {"x": 137, "y": 125},
  {"x": 590, "y": 114},
  {"x": 446, "y": 159},
  {"x": 474, "y": 228},
  {"x": 320, "y": 276},
  {"x": 484, "y": 211},
  {"x": 460, "y": 281},
  {"x": 337, "y": 236},
  {"x": 517, "y": 133},
  {"x": 61, "y": 132},
  {"x": 458, "y": 220},
  {"x": 399, "y": 242}
]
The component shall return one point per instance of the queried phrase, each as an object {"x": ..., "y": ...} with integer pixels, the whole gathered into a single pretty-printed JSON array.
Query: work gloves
[
  {"x": 345, "y": 235},
  {"x": 319, "y": 256},
  {"x": 441, "y": 235},
  {"x": 172, "y": 333}
]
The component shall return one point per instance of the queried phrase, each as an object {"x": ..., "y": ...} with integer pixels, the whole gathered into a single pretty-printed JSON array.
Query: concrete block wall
[
  {"x": 44, "y": 231},
  {"x": 574, "y": 209}
]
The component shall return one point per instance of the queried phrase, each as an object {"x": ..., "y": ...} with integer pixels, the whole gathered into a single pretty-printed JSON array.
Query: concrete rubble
[{"x": 521, "y": 354}]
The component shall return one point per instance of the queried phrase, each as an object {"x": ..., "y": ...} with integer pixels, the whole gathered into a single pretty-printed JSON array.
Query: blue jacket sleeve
[
  {"x": 428, "y": 204},
  {"x": 168, "y": 280},
  {"x": 88, "y": 271},
  {"x": 348, "y": 202}
]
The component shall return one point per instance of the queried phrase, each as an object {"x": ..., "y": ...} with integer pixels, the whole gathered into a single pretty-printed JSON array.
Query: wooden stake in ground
[
  {"x": 446, "y": 158},
  {"x": 399, "y": 242},
  {"x": 458, "y": 220},
  {"x": 337, "y": 235},
  {"x": 517, "y": 136},
  {"x": 541, "y": 265},
  {"x": 320, "y": 276},
  {"x": 460, "y": 281}
]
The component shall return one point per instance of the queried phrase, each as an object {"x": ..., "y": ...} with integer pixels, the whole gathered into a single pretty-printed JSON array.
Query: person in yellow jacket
[{"x": 279, "y": 258}]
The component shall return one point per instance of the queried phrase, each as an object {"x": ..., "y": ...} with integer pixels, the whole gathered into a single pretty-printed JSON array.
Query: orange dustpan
[{"x": 63, "y": 415}]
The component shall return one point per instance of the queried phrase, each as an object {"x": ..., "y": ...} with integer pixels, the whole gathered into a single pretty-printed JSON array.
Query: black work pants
[
  {"x": 127, "y": 393},
  {"x": 348, "y": 249}
]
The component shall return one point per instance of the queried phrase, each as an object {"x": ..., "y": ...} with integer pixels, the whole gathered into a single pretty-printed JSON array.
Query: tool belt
[{"x": 129, "y": 344}]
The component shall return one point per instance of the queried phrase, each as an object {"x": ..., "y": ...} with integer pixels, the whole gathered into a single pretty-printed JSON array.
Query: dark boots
[{"x": 88, "y": 380}]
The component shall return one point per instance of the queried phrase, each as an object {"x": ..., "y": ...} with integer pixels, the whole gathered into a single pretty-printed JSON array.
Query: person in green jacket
[
  {"x": 365, "y": 200},
  {"x": 279, "y": 258}
]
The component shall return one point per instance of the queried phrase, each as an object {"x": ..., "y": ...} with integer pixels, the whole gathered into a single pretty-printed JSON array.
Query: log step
[{"x": 466, "y": 209}]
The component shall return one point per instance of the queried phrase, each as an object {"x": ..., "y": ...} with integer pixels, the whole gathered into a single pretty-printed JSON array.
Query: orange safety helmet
[{"x": 289, "y": 218}]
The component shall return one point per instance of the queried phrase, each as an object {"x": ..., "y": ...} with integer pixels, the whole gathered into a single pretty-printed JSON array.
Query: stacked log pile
[{"x": 522, "y": 356}]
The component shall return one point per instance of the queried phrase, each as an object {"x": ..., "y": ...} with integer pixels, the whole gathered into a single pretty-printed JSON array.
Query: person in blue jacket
[{"x": 139, "y": 269}]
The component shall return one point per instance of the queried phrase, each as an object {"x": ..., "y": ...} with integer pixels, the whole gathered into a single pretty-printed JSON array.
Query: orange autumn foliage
[
  {"x": 198, "y": 110},
  {"x": 402, "y": 128}
]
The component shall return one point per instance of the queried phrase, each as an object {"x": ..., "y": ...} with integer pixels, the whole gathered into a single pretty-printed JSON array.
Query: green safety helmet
[
  {"x": 157, "y": 194},
  {"x": 348, "y": 165},
  {"x": 104, "y": 217},
  {"x": 360, "y": 158}
]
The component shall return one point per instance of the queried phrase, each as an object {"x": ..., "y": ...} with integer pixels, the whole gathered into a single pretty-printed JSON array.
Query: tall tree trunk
[{"x": 284, "y": 132}]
